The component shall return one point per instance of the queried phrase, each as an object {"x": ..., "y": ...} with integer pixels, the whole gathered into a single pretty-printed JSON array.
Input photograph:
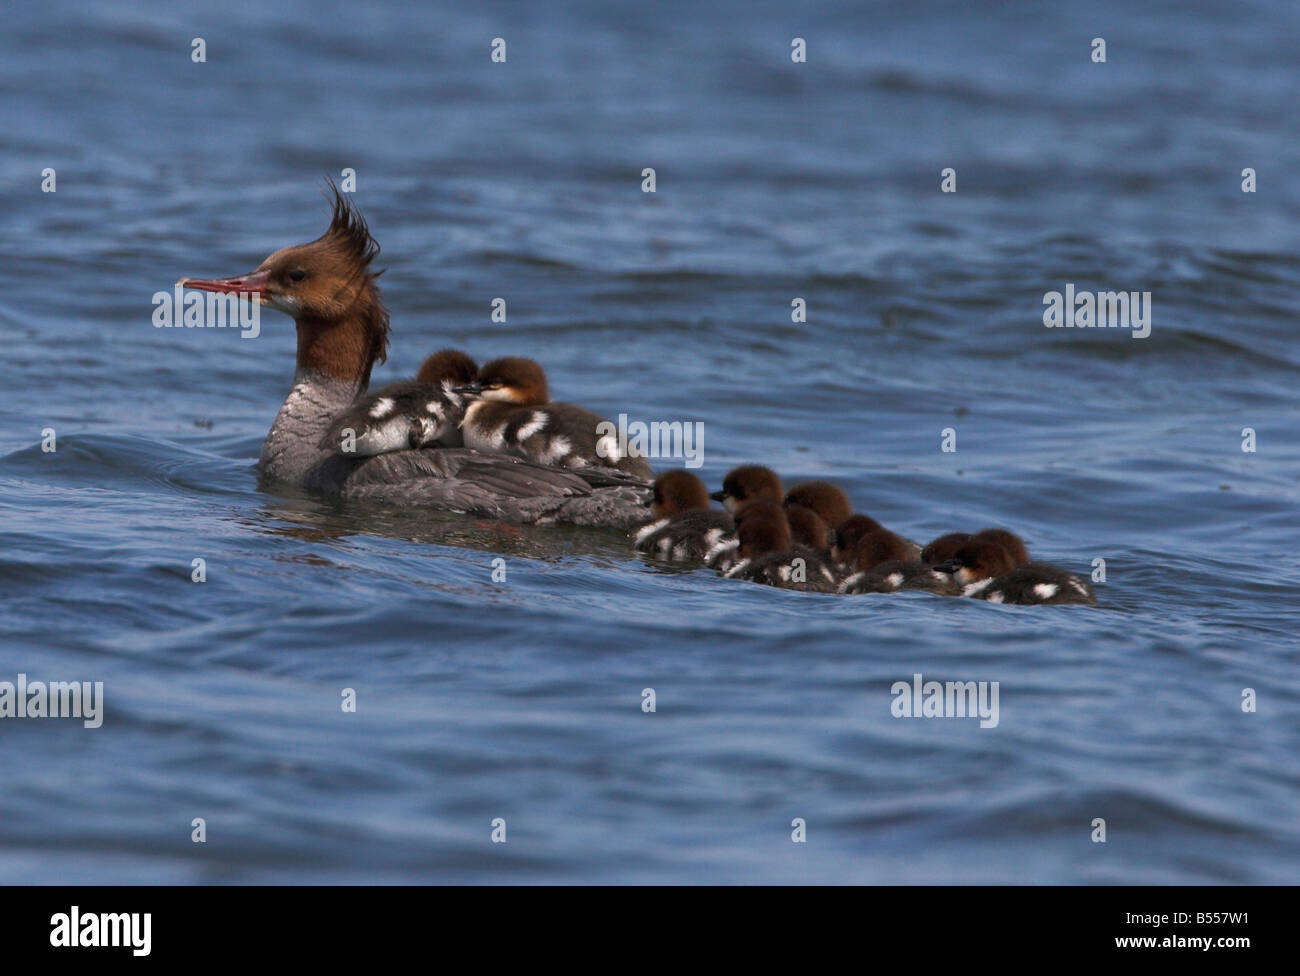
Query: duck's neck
[
  {"x": 334, "y": 362},
  {"x": 341, "y": 349}
]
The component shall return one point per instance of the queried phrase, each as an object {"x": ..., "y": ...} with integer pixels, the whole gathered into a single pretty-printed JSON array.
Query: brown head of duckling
[
  {"x": 977, "y": 561},
  {"x": 748, "y": 483},
  {"x": 944, "y": 548},
  {"x": 675, "y": 492},
  {"x": 511, "y": 379},
  {"x": 448, "y": 366},
  {"x": 827, "y": 500},
  {"x": 1009, "y": 541},
  {"x": 762, "y": 534},
  {"x": 806, "y": 527},
  {"x": 849, "y": 532},
  {"x": 879, "y": 547}
]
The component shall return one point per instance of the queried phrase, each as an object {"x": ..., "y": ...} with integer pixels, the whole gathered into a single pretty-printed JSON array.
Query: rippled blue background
[{"x": 775, "y": 180}]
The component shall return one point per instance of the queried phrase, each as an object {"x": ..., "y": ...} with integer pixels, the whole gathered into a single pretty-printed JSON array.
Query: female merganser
[
  {"x": 683, "y": 526},
  {"x": 511, "y": 412},
  {"x": 747, "y": 483},
  {"x": 328, "y": 288},
  {"x": 424, "y": 412},
  {"x": 767, "y": 554},
  {"x": 987, "y": 571}
]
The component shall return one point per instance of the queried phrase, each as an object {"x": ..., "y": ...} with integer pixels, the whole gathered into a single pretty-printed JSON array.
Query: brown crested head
[
  {"x": 329, "y": 289},
  {"x": 976, "y": 561},
  {"x": 847, "y": 534},
  {"x": 806, "y": 526},
  {"x": 824, "y": 498},
  {"x": 1009, "y": 541},
  {"x": 448, "y": 366},
  {"x": 747, "y": 483},
  {"x": 944, "y": 548},
  {"x": 763, "y": 534},
  {"x": 512, "y": 379},
  {"x": 677, "y": 491},
  {"x": 881, "y": 546}
]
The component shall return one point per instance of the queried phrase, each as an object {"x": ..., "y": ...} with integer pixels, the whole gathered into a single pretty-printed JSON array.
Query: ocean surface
[{"x": 775, "y": 180}]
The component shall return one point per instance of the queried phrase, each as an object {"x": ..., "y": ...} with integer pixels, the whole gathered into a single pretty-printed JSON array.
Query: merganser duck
[
  {"x": 848, "y": 536},
  {"x": 942, "y": 549},
  {"x": 725, "y": 553},
  {"x": 848, "y": 533},
  {"x": 987, "y": 571},
  {"x": 886, "y": 562},
  {"x": 754, "y": 490},
  {"x": 809, "y": 537},
  {"x": 683, "y": 527},
  {"x": 424, "y": 412},
  {"x": 767, "y": 554},
  {"x": 807, "y": 528},
  {"x": 511, "y": 411},
  {"x": 1009, "y": 541},
  {"x": 945, "y": 547},
  {"x": 328, "y": 288},
  {"x": 827, "y": 500},
  {"x": 747, "y": 483}
]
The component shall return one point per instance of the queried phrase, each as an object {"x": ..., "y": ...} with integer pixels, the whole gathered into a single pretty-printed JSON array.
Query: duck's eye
[{"x": 297, "y": 274}]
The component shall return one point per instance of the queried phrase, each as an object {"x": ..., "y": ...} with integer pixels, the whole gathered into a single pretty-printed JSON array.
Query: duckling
[
  {"x": 807, "y": 529},
  {"x": 886, "y": 563},
  {"x": 848, "y": 537},
  {"x": 683, "y": 527},
  {"x": 423, "y": 412},
  {"x": 1009, "y": 541},
  {"x": 725, "y": 553},
  {"x": 942, "y": 549},
  {"x": 987, "y": 571},
  {"x": 809, "y": 542},
  {"x": 848, "y": 533},
  {"x": 747, "y": 483},
  {"x": 511, "y": 413},
  {"x": 766, "y": 553},
  {"x": 827, "y": 500},
  {"x": 945, "y": 547}
]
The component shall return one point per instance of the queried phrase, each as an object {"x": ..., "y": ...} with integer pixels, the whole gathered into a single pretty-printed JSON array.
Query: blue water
[{"x": 522, "y": 700}]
